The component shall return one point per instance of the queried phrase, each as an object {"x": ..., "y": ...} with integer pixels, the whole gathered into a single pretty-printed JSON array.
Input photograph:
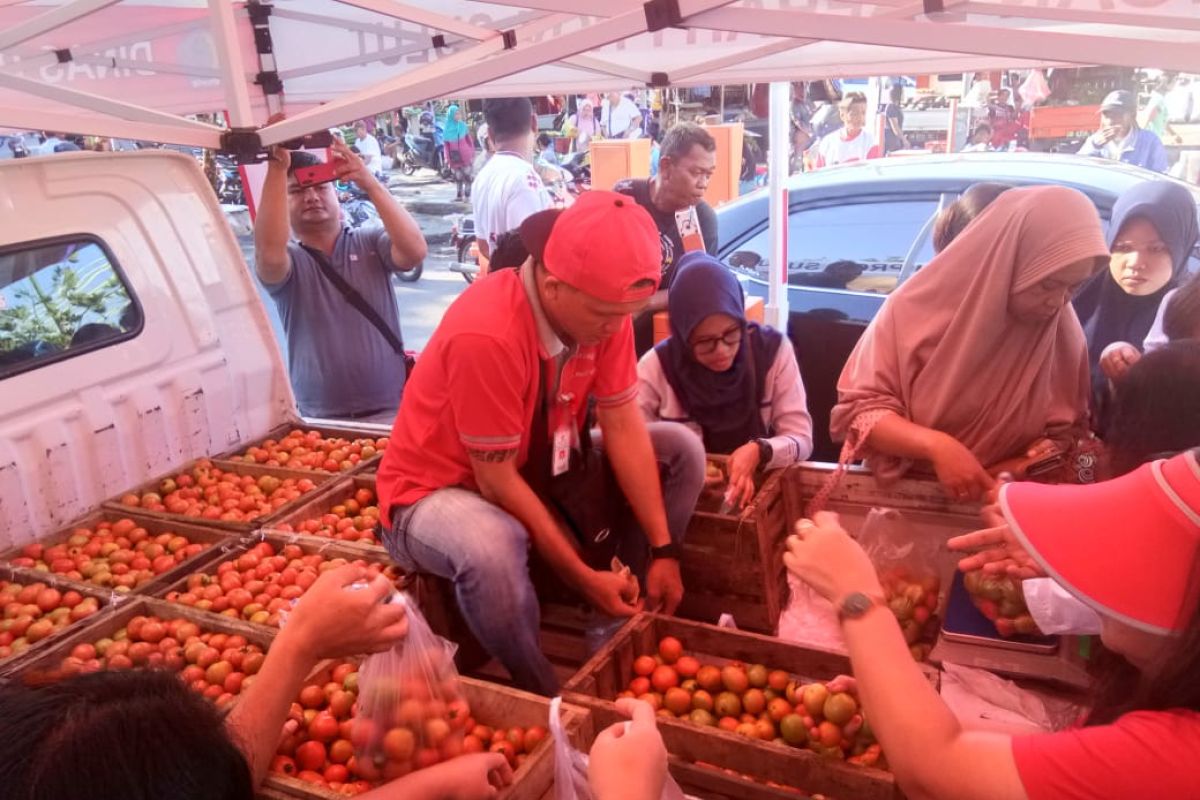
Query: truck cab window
[{"x": 60, "y": 299}]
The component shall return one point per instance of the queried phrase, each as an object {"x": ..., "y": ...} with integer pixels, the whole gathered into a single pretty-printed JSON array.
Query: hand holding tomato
[
  {"x": 629, "y": 760},
  {"x": 335, "y": 619},
  {"x": 822, "y": 554},
  {"x": 742, "y": 464},
  {"x": 959, "y": 472}
]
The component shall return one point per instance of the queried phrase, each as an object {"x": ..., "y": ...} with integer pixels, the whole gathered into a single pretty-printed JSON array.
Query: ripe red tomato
[
  {"x": 311, "y": 756},
  {"x": 323, "y": 728}
]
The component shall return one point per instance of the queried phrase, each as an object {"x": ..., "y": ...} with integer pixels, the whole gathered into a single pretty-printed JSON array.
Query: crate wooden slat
[
  {"x": 318, "y": 503},
  {"x": 713, "y": 783},
  {"x": 600, "y": 680},
  {"x": 348, "y": 431},
  {"x": 256, "y": 470},
  {"x": 733, "y": 563},
  {"x": 328, "y": 548},
  {"x": 15, "y": 663},
  {"x": 215, "y": 538},
  {"x": 119, "y": 617},
  {"x": 495, "y": 706}
]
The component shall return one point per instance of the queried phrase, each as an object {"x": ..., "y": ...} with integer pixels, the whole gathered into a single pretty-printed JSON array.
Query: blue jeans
[{"x": 484, "y": 550}]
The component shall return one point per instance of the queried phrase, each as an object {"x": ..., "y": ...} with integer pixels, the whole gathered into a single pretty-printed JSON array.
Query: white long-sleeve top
[{"x": 784, "y": 409}]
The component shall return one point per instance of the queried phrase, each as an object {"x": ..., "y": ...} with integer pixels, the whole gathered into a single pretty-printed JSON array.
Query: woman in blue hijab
[
  {"x": 460, "y": 150},
  {"x": 734, "y": 382},
  {"x": 1151, "y": 235}
]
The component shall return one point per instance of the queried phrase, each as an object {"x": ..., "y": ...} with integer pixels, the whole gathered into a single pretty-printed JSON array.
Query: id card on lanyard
[
  {"x": 688, "y": 223},
  {"x": 562, "y": 422}
]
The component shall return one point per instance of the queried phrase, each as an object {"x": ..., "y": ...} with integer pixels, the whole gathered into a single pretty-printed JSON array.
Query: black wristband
[{"x": 671, "y": 550}]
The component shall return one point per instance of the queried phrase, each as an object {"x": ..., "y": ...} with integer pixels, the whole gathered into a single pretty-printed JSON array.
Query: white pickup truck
[{"x": 132, "y": 337}]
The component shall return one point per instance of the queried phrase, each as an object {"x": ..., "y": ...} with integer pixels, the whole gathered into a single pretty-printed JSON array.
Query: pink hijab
[{"x": 945, "y": 353}]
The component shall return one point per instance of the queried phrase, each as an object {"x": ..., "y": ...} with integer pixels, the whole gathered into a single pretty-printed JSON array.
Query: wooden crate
[
  {"x": 317, "y": 478},
  {"x": 218, "y": 541},
  {"x": 348, "y": 431},
  {"x": 495, "y": 706},
  {"x": 14, "y": 664},
  {"x": 317, "y": 504},
  {"x": 596, "y": 686},
  {"x": 327, "y": 548},
  {"x": 713, "y": 782},
  {"x": 100, "y": 627},
  {"x": 733, "y": 563}
]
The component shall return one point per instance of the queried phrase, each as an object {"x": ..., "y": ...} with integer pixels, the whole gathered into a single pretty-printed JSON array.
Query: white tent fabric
[{"x": 135, "y": 68}]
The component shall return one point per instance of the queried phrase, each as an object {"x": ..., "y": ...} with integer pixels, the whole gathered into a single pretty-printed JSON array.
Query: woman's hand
[
  {"x": 1117, "y": 358},
  {"x": 742, "y": 464},
  {"x": 335, "y": 618},
  {"x": 1018, "y": 468},
  {"x": 628, "y": 760},
  {"x": 476, "y": 776},
  {"x": 959, "y": 472},
  {"x": 995, "y": 550},
  {"x": 824, "y": 556}
]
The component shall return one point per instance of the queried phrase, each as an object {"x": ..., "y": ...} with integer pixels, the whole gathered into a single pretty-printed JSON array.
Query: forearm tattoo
[{"x": 492, "y": 456}]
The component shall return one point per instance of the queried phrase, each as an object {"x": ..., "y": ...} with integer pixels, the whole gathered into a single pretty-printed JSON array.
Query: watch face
[{"x": 856, "y": 604}]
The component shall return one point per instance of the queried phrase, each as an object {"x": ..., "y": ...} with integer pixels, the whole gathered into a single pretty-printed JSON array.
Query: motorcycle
[
  {"x": 359, "y": 211},
  {"x": 425, "y": 150},
  {"x": 577, "y": 165},
  {"x": 229, "y": 182},
  {"x": 466, "y": 248}
]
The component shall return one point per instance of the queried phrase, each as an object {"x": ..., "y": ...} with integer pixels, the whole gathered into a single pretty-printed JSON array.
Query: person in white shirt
[
  {"x": 508, "y": 188},
  {"x": 852, "y": 142},
  {"x": 368, "y": 148},
  {"x": 734, "y": 383},
  {"x": 621, "y": 118}
]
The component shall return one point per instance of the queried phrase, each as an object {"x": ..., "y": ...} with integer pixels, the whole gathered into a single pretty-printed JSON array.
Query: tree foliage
[{"x": 52, "y": 304}]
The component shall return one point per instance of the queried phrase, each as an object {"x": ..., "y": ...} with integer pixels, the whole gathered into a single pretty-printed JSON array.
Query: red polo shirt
[{"x": 476, "y": 387}]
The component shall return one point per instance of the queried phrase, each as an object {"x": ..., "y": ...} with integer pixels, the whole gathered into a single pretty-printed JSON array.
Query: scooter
[
  {"x": 466, "y": 248},
  {"x": 229, "y": 182},
  {"x": 424, "y": 151}
]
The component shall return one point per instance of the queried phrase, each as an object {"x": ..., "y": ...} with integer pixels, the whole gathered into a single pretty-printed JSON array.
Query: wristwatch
[
  {"x": 765, "y": 452},
  {"x": 671, "y": 550},
  {"x": 856, "y": 605}
]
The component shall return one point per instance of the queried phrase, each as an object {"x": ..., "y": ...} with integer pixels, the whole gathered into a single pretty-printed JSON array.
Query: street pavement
[{"x": 422, "y": 303}]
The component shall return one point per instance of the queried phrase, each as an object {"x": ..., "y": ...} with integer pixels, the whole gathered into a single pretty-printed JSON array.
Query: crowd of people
[{"x": 1032, "y": 346}]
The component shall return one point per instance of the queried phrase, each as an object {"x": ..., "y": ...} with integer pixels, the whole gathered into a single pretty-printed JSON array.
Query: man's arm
[
  {"x": 271, "y": 230},
  {"x": 1090, "y": 148},
  {"x": 408, "y": 244}
]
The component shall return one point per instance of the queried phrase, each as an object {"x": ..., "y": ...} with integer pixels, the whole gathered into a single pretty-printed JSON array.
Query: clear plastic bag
[
  {"x": 571, "y": 766},
  {"x": 810, "y": 620},
  {"x": 411, "y": 709},
  {"x": 909, "y": 567}
]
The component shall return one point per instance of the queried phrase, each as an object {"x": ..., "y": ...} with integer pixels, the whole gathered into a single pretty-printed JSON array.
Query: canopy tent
[{"x": 136, "y": 68}]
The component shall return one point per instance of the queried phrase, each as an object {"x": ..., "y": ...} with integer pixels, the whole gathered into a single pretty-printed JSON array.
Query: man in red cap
[{"x": 491, "y": 451}]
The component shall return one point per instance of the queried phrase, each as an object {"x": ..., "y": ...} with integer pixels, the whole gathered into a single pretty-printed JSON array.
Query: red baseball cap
[
  {"x": 1129, "y": 547},
  {"x": 602, "y": 245}
]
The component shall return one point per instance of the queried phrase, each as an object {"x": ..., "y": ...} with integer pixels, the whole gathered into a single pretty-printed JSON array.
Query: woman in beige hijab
[{"x": 978, "y": 364}]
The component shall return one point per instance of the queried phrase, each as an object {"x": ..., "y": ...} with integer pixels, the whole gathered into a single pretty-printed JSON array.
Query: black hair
[
  {"x": 981, "y": 128},
  {"x": 303, "y": 158},
  {"x": 897, "y": 94},
  {"x": 1154, "y": 407},
  {"x": 956, "y": 216},
  {"x": 544, "y": 140},
  {"x": 93, "y": 332},
  {"x": 138, "y": 735},
  {"x": 507, "y": 116},
  {"x": 510, "y": 251},
  {"x": 1181, "y": 319},
  {"x": 680, "y": 139}
]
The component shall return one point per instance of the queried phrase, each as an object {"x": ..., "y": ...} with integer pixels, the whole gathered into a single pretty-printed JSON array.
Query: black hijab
[
  {"x": 726, "y": 405},
  {"x": 1108, "y": 314}
]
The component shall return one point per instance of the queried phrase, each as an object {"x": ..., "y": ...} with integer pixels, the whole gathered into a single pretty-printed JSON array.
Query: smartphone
[
  {"x": 316, "y": 174},
  {"x": 1047, "y": 464},
  {"x": 310, "y": 141}
]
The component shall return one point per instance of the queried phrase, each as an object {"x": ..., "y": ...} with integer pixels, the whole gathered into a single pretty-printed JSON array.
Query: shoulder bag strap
[{"x": 355, "y": 299}]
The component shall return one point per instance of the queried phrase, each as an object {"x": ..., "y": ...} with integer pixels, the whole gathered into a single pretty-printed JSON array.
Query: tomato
[
  {"x": 323, "y": 728},
  {"x": 283, "y": 765},
  {"x": 311, "y": 755},
  {"x": 644, "y": 666},
  {"x": 670, "y": 649}
]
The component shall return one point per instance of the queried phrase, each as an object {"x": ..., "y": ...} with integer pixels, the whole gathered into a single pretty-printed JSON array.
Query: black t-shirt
[
  {"x": 668, "y": 230},
  {"x": 891, "y": 141}
]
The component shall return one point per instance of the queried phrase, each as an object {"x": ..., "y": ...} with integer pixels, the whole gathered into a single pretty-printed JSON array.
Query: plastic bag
[
  {"x": 810, "y": 620},
  {"x": 571, "y": 766},
  {"x": 908, "y": 563},
  {"x": 1034, "y": 89},
  {"x": 411, "y": 709},
  {"x": 1055, "y": 610}
]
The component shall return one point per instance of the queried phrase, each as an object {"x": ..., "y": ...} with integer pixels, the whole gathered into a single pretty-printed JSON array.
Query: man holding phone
[
  {"x": 332, "y": 283},
  {"x": 1120, "y": 138}
]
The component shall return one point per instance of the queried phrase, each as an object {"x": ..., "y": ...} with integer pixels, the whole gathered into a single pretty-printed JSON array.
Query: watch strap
[
  {"x": 671, "y": 550},
  {"x": 857, "y": 604}
]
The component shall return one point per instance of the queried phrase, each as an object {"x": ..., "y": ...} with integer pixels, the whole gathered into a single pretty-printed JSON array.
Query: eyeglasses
[{"x": 707, "y": 345}]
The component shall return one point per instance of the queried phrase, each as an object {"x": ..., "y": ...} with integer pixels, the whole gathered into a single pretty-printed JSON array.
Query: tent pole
[
  {"x": 233, "y": 70},
  {"x": 777, "y": 170}
]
